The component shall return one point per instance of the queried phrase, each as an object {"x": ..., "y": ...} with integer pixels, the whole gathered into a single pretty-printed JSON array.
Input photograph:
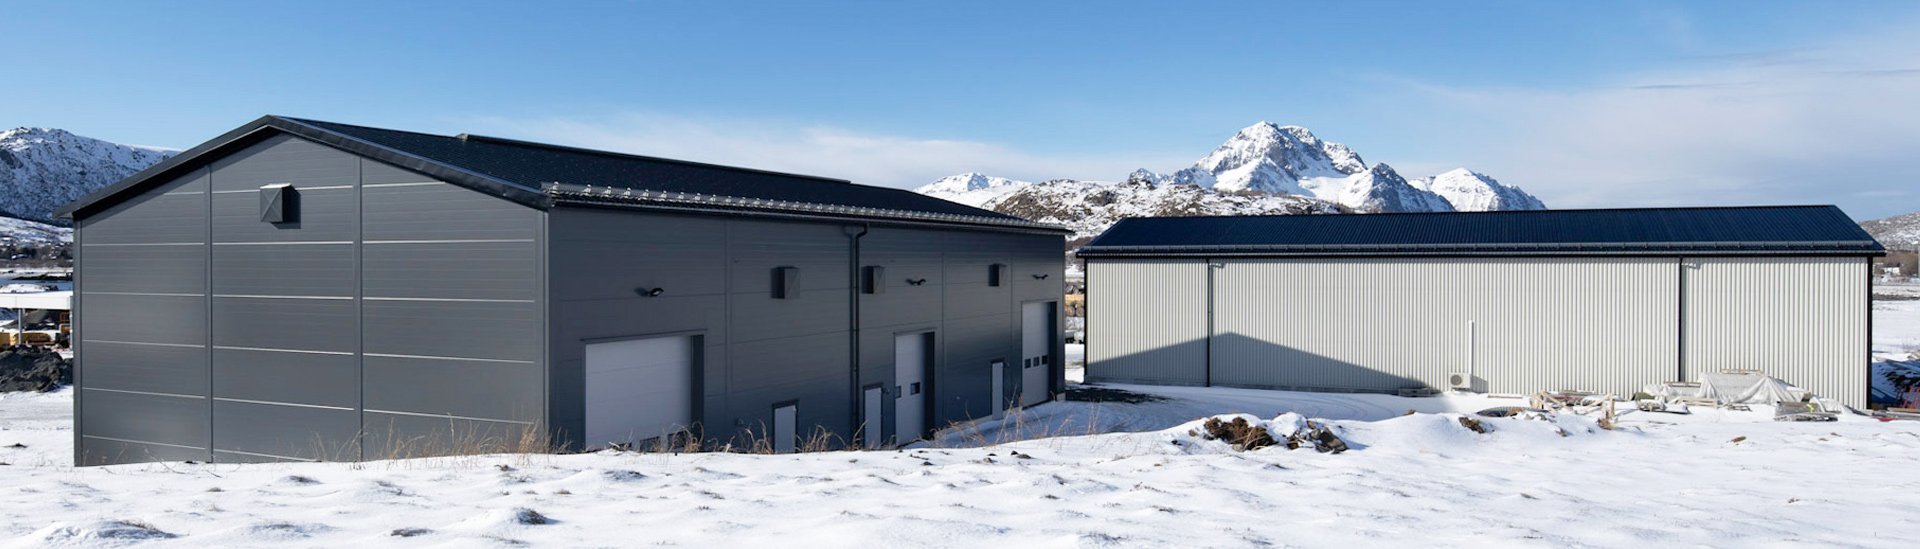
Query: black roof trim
[
  {"x": 1718, "y": 230},
  {"x": 686, "y": 202}
]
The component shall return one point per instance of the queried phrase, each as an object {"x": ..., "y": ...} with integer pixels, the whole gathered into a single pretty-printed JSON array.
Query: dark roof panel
[
  {"x": 1721, "y": 230},
  {"x": 540, "y": 176},
  {"x": 539, "y": 166}
]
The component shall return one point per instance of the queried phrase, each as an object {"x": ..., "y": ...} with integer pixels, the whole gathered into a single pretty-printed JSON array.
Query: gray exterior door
[
  {"x": 785, "y": 419},
  {"x": 1036, "y": 351},
  {"x": 911, "y": 392}
]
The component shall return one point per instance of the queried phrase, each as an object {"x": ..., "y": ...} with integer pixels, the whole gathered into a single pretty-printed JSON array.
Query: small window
[
  {"x": 278, "y": 204},
  {"x": 997, "y": 274}
]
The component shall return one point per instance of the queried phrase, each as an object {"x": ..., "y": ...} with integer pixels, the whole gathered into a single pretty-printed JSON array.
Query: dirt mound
[{"x": 33, "y": 370}]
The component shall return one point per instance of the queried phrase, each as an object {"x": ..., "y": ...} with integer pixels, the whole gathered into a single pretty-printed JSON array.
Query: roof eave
[{"x": 251, "y": 131}]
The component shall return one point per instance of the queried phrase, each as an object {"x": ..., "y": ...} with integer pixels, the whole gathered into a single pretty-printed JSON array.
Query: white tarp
[
  {"x": 1733, "y": 388},
  {"x": 57, "y": 301}
]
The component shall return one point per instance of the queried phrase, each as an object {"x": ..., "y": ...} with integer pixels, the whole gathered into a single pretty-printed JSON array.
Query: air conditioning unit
[{"x": 1460, "y": 380}]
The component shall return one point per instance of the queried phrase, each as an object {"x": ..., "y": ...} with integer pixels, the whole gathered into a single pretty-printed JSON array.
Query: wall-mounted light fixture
[
  {"x": 649, "y": 292},
  {"x": 916, "y": 281},
  {"x": 1041, "y": 276}
]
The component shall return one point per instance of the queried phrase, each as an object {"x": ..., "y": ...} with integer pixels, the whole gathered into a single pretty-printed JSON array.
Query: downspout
[{"x": 853, "y": 232}]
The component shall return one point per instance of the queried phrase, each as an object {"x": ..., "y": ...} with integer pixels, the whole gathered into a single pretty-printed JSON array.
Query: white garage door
[
  {"x": 1036, "y": 352},
  {"x": 638, "y": 389}
]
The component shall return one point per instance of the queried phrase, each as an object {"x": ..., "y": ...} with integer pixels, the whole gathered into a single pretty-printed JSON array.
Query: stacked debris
[
  {"x": 1289, "y": 430},
  {"x": 33, "y": 370}
]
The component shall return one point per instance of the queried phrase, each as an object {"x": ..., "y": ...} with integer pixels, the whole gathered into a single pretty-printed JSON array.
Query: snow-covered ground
[
  {"x": 1714, "y": 478},
  {"x": 1112, "y": 466}
]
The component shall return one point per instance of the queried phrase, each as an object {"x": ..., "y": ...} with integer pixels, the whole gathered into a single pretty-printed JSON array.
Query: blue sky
[{"x": 1598, "y": 104}]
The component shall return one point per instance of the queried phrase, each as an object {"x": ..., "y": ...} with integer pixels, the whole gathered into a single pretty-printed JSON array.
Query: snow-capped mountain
[
  {"x": 971, "y": 188},
  {"x": 1469, "y": 191},
  {"x": 42, "y": 169},
  {"x": 1900, "y": 232},
  {"x": 1271, "y": 158},
  {"x": 1088, "y": 207},
  {"x": 1263, "y": 169}
]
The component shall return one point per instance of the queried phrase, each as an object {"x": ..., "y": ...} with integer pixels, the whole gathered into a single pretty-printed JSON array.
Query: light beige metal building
[{"x": 1503, "y": 302}]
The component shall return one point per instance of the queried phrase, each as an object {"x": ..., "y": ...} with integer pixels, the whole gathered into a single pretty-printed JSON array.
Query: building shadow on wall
[{"x": 1244, "y": 362}]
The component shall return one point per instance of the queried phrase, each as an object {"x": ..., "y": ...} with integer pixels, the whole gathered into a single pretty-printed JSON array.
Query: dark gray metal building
[{"x": 305, "y": 290}]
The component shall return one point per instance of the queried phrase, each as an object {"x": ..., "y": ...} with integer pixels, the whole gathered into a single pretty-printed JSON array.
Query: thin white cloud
[
  {"x": 864, "y": 157},
  {"x": 1836, "y": 123}
]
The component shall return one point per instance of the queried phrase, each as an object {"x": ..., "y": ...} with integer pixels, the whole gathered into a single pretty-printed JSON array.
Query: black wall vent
[
  {"x": 873, "y": 279},
  {"x": 279, "y": 203},
  {"x": 997, "y": 274},
  {"x": 786, "y": 282}
]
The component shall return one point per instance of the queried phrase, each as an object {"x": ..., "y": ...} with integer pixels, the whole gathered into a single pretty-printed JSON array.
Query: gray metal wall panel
[
  {"x": 1803, "y": 320},
  {"x": 494, "y": 390},
  {"x": 810, "y": 369},
  {"x": 502, "y": 331},
  {"x": 98, "y": 451},
  {"x": 397, "y": 436},
  {"x": 759, "y": 350},
  {"x": 298, "y": 432},
  {"x": 180, "y": 320},
  {"x": 479, "y": 270},
  {"x": 147, "y": 269},
  {"x": 306, "y": 270},
  {"x": 324, "y": 216},
  {"x": 147, "y": 368},
  {"x": 285, "y": 159},
  {"x": 683, "y": 255},
  {"x": 299, "y": 378},
  {"x": 821, "y": 253},
  {"x": 154, "y": 243},
  {"x": 453, "y": 277},
  {"x": 297, "y": 324},
  {"x": 444, "y": 212},
  {"x": 963, "y": 382},
  {"x": 173, "y": 420},
  {"x": 432, "y": 270},
  {"x": 172, "y": 212},
  {"x": 1147, "y": 321},
  {"x": 373, "y": 172}
]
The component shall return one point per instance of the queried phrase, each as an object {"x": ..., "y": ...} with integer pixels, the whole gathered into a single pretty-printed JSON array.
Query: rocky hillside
[
  {"x": 1263, "y": 169},
  {"x": 1089, "y": 208},
  {"x": 1897, "y": 232},
  {"x": 42, "y": 169}
]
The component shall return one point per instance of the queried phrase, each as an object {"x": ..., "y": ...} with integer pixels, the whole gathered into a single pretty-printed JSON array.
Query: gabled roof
[
  {"x": 1756, "y": 230},
  {"x": 540, "y": 176}
]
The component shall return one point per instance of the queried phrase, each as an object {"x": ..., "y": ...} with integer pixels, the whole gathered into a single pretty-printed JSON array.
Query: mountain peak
[{"x": 1473, "y": 191}]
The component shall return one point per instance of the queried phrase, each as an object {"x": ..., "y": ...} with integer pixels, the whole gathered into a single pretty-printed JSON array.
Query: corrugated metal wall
[
  {"x": 1147, "y": 321},
  {"x": 1593, "y": 324},
  {"x": 1600, "y": 324},
  {"x": 1803, "y": 320}
]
